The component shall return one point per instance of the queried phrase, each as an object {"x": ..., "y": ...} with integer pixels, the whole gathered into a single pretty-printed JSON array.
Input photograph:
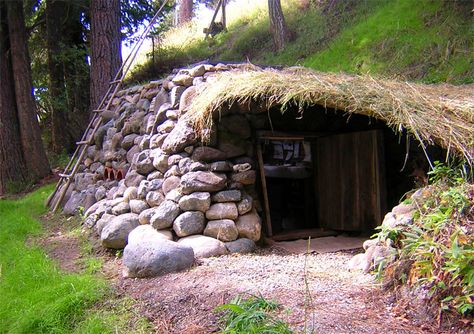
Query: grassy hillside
[{"x": 424, "y": 40}]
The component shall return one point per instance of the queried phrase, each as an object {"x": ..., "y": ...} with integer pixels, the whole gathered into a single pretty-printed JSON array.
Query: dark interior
[{"x": 357, "y": 170}]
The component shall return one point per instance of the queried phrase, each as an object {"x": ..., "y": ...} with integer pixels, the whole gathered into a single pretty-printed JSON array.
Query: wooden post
[
  {"x": 223, "y": 14},
  {"x": 213, "y": 18},
  {"x": 264, "y": 189}
]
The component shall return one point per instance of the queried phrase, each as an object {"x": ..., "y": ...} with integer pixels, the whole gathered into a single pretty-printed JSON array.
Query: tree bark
[
  {"x": 106, "y": 56},
  {"x": 54, "y": 15},
  {"x": 12, "y": 165},
  {"x": 185, "y": 13},
  {"x": 30, "y": 133},
  {"x": 278, "y": 28}
]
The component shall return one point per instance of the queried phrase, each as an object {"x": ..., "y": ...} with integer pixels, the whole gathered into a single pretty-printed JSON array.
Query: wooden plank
[{"x": 266, "y": 204}]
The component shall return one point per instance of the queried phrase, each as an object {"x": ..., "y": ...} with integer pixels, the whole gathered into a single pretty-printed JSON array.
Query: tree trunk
[
  {"x": 32, "y": 145},
  {"x": 106, "y": 56},
  {"x": 54, "y": 17},
  {"x": 278, "y": 28},
  {"x": 12, "y": 165},
  {"x": 185, "y": 13}
]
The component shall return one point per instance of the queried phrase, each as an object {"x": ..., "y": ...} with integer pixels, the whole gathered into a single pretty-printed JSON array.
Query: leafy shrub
[
  {"x": 439, "y": 245},
  {"x": 251, "y": 316}
]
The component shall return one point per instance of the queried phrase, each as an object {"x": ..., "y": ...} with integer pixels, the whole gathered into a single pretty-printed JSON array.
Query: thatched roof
[{"x": 434, "y": 114}]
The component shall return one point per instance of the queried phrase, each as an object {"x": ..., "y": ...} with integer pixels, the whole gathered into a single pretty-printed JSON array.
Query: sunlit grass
[{"x": 35, "y": 295}]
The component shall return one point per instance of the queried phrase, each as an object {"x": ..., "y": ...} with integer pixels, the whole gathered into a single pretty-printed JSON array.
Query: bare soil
[{"x": 316, "y": 292}]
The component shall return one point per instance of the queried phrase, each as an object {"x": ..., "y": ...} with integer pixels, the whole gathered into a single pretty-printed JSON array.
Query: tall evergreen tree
[
  {"x": 30, "y": 134},
  {"x": 105, "y": 46}
]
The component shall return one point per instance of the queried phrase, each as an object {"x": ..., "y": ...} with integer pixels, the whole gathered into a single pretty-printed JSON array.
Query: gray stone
[
  {"x": 83, "y": 180},
  {"x": 232, "y": 145},
  {"x": 166, "y": 126},
  {"x": 197, "y": 71},
  {"x": 181, "y": 136},
  {"x": 164, "y": 215},
  {"x": 102, "y": 222},
  {"x": 221, "y": 166},
  {"x": 175, "y": 95},
  {"x": 202, "y": 181},
  {"x": 130, "y": 193},
  {"x": 128, "y": 141},
  {"x": 160, "y": 162},
  {"x": 157, "y": 140},
  {"x": 131, "y": 153},
  {"x": 246, "y": 178},
  {"x": 154, "y": 198},
  {"x": 227, "y": 196},
  {"x": 174, "y": 195},
  {"x": 184, "y": 164},
  {"x": 115, "y": 234},
  {"x": 138, "y": 206},
  {"x": 151, "y": 255},
  {"x": 183, "y": 80},
  {"x": 143, "y": 162},
  {"x": 142, "y": 190},
  {"x": 189, "y": 223},
  {"x": 197, "y": 166},
  {"x": 198, "y": 201},
  {"x": 245, "y": 205},
  {"x": 223, "y": 229},
  {"x": 121, "y": 208},
  {"x": 159, "y": 100},
  {"x": 100, "y": 193},
  {"x": 154, "y": 175},
  {"x": 242, "y": 246},
  {"x": 204, "y": 246},
  {"x": 174, "y": 159},
  {"x": 172, "y": 114},
  {"x": 173, "y": 171},
  {"x": 170, "y": 183},
  {"x": 207, "y": 154},
  {"x": 133, "y": 179},
  {"x": 222, "y": 211},
  {"x": 249, "y": 226},
  {"x": 75, "y": 202},
  {"x": 186, "y": 99},
  {"x": 145, "y": 216}
]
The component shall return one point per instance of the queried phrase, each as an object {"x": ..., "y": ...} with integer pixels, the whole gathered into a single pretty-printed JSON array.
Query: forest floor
[{"x": 316, "y": 293}]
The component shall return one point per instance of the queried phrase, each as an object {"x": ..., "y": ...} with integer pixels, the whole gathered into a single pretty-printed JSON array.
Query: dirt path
[{"x": 339, "y": 301}]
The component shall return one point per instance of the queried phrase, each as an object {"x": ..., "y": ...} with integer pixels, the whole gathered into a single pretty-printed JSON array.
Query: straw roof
[{"x": 434, "y": 114}]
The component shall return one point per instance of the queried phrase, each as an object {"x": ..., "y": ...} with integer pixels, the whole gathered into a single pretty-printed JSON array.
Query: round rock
[
  {"x": 223, "y": 230},
  {"x": 189, "y": 223}
]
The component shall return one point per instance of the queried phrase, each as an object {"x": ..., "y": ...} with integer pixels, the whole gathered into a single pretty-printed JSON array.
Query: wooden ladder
[{"x": 67, "y": 176}]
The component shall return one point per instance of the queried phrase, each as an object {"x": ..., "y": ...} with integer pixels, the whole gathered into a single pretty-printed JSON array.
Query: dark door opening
[{"x": 319, "y": 184}]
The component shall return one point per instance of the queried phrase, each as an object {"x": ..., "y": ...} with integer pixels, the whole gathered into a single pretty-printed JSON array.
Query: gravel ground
[{"x": 327, "y": 299}]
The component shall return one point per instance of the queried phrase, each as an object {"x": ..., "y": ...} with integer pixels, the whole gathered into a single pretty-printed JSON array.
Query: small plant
[{"x": 251, "y": 316}]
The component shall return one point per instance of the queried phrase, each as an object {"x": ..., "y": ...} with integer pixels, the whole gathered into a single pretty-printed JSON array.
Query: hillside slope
[{"x": 427, "y": 40}]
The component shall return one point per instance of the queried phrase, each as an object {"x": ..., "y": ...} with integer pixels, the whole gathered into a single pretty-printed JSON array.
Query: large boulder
[
  {"x": 115, "y": 233},
  {"x": 181, "y": 136},
  {"x": 223, "y": 230},
  {"x": 74, "y": 203},
  {"x": 202, "y": 181},
  {"x": 189, "y": 223},
  {"x": 204, "y": 246},
  {"x": 222, "y": 211},
  {"x": 148, "y": 254},
  {"x": 198, "y": 201},
  {"x": 164, "y": 215},
  {"x": 249, "y": 226}
]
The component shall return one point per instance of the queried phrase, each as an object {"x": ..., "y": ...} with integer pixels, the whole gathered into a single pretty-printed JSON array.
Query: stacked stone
[{"x": 174, "y": 187}]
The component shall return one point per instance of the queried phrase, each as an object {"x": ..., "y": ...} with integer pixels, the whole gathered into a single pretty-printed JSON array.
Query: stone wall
[{"x": 149, "y": 185}]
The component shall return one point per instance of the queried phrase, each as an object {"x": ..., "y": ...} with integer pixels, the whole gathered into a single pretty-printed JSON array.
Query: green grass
[
  {"x": 251, "y": 315},
  {"x": 35, "y": 296},
  {"x": 425, "y": 40},
  {"x": 422, "y": 40}
]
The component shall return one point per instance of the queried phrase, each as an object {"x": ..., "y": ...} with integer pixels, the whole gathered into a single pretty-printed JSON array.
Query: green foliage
[
  {"x": 440, "y": 242},
  {"x": 35, "y": 296},
  {"x": 251, "y": 316}
]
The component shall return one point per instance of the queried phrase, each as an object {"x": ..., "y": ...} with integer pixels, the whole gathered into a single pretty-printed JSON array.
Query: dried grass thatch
[{"x": 440, "y": 114}]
